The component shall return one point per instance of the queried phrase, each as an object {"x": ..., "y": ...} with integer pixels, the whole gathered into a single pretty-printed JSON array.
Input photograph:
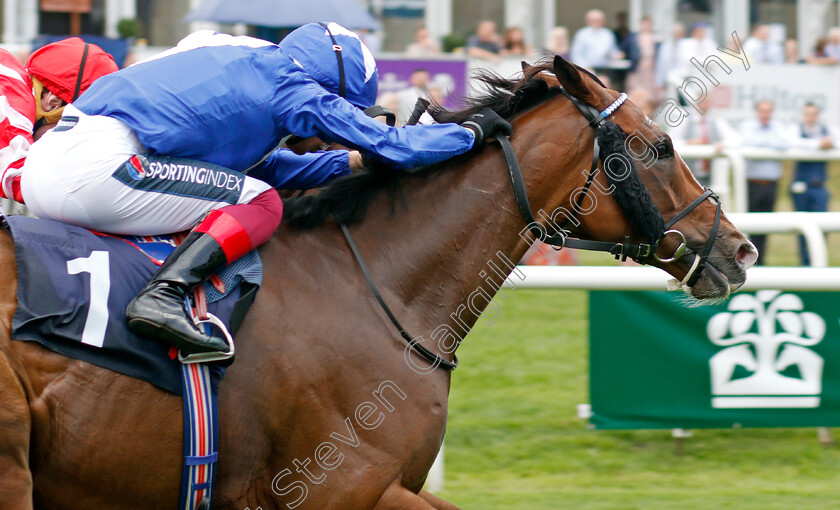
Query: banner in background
[
  {"x": 764, "y": 359},
  {"x": 788, "y": 86}
]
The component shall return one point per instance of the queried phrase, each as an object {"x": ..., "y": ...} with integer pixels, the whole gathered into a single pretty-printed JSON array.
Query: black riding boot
[{"x": 159, "y": 311}]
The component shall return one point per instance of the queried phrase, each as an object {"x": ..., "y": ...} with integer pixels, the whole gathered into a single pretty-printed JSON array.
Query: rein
[
  {"x": 434, "y": 359},
  {"x": 641, "y": 252}
]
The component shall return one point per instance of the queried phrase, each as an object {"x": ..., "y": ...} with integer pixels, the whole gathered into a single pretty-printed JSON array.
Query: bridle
[{"x": 641, "y": 252}]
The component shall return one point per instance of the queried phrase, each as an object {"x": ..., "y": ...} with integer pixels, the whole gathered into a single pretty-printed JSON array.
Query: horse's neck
[{"x": 452, "y": 240}]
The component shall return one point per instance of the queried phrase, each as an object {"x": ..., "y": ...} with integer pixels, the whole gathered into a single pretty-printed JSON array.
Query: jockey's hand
[
  {"x": 355, "y": 159},
  {"x": 485, "y": 124}
]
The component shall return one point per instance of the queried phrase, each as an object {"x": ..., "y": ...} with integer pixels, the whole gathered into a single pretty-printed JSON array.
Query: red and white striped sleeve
[{"x": 17, "y": 116}]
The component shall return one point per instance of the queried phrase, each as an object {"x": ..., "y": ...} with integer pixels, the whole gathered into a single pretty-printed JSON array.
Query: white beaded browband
[{"x": 613, "y": 107}]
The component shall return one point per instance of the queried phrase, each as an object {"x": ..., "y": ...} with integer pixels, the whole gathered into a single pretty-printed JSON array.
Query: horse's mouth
[{"x": 715, "y": 283}]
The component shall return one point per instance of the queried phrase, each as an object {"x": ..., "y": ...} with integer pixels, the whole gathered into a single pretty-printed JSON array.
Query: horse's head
[{"x": 642, "y": 187}]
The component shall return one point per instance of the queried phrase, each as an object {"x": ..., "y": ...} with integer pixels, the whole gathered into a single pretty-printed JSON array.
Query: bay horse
[{"x": 326, "y": 406}]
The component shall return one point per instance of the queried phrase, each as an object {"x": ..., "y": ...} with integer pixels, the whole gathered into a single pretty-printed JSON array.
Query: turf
[{"x": 514, "y": 440}]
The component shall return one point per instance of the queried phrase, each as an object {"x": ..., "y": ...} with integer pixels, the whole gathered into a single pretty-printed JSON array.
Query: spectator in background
[
  {"x": 594, "y": 45},
  {"x": 706, "y": 129},
  {"x": 763, "y": 175},
  {"x": 761, "y": 49},
  {"x": 486, "y": 42},
  {"x": 514, "y": 42},
  {"x": 423, "y": 45},
  {"x": 808, "y": 186},
  {"x": 791, "y": 48},
  {"x": 668, "y": 58},
  {"x": 390, "y": 101},
  {"x": 558, "y": 43},
  {"x": 819, "y": 55},
  {"x": 832, "y": 46},
  {"x": 629, "y": 46},
  {"x": 371, "y": 39},
  {"x": 698, "y": 46},
  {"x": 419, "y": 81},
  {"x": 644, "y": 75}
]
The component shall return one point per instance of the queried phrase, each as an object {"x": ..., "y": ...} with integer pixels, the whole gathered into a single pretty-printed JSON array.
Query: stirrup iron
[{"x": 206, "y": 357}]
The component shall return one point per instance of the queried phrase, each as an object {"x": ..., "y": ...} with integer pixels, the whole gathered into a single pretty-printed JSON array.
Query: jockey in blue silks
[{"x": 162, "y": 146}]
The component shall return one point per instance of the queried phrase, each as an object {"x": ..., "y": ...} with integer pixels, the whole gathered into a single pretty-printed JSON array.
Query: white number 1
[{"x": 100, "y": 285}]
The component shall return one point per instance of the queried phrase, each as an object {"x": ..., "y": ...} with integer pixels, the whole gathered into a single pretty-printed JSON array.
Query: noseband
[{"x": 642, "y": 252}]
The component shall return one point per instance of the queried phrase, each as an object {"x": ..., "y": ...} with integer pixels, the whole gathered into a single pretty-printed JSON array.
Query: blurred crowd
[{"x": 642, "y": 63}]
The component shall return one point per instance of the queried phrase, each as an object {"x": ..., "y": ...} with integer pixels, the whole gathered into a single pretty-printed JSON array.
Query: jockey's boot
[{"x": 159, "y": 311}]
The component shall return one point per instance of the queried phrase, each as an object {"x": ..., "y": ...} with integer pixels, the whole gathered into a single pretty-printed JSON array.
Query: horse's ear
[
  {"x": 571, "y": 79},
  {"x": 526, "y": 67}
]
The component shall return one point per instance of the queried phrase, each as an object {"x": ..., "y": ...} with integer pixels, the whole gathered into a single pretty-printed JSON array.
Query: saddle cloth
[{"x": 74, "y": 286}]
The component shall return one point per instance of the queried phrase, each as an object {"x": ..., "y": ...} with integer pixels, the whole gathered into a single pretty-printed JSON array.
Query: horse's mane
[{"x": 347, "y": 198}]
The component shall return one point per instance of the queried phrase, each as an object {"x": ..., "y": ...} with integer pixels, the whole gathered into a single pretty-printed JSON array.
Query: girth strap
[{"x": 201, "y": 437}]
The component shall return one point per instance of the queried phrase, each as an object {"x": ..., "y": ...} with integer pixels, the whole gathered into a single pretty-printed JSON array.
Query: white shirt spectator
[
  {"x": 764, "y": 52},
  {"x": 667, "y": 59},
  {"x": 407, "y": 99},
  {"x": 832, "y": 47},
  {"x": 815, "y": 135},
  {"x": 774, "y": 135},
  {"x": 593, "y": 47},
  {"x": 696, "y": 48},
  {"x": 423, "y": 45}
]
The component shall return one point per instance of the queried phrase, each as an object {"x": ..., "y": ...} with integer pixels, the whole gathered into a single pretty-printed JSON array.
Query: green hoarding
[{"x": 763, "y": 359}]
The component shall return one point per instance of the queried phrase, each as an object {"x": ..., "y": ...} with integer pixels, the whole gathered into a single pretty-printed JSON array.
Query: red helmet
[{"x": 57, "y": 66}]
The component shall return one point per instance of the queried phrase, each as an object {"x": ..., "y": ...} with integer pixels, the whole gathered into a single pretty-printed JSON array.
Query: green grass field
[{"x": 514, "y": 440}]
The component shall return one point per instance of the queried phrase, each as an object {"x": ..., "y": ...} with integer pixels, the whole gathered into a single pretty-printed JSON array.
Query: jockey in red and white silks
[
  {"x": 17, "y": 111},
  {"x": 33, "y": 98}
]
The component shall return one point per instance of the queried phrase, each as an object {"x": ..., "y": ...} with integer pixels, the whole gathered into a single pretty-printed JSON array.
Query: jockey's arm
[
  {"x": 17, "y": 108},
  {"x": 284, "y": 169},
  {"x": 312, "y": 111}
]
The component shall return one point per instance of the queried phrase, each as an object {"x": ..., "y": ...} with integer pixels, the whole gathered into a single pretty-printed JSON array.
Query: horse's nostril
[{"x": 747, "y": 254}]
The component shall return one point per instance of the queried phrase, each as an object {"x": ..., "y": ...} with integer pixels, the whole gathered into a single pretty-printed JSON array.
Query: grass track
[{"x": 514, "y": 440}]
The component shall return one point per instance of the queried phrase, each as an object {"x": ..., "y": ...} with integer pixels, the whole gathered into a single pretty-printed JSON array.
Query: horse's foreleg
[
  {"x": 15, "y": 477},
  {"x": 397, "y": 497}
]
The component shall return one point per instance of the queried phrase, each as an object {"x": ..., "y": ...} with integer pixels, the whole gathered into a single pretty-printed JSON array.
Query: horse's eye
[{"x": 664, "y": 149}]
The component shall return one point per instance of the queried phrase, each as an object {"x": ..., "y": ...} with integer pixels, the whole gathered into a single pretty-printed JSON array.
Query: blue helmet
[{"x": 312, "y": 48}]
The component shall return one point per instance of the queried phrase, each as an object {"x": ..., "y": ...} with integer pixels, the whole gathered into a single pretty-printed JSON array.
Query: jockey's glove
[{"x": 485, "y": 124}]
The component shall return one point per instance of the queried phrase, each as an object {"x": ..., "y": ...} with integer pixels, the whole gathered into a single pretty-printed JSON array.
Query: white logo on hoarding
[{"x": 766, "y": 334}]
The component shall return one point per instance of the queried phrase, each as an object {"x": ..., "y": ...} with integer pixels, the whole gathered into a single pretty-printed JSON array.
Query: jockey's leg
[
  {"x": 92, "y": 175},
  {"x": 221, "y": 238}
]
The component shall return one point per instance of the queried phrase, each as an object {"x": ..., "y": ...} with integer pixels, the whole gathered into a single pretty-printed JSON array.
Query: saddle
[{"x": 74, "y": 286}]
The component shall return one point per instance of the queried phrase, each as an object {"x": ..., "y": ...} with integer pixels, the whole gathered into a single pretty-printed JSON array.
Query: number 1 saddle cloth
[{"x": 74, "y": 286}]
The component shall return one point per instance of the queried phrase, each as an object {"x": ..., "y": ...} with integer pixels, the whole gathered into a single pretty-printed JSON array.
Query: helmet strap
[
  {"x": 81, "y": 73},
  {"x": 342, "y": 88}
]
